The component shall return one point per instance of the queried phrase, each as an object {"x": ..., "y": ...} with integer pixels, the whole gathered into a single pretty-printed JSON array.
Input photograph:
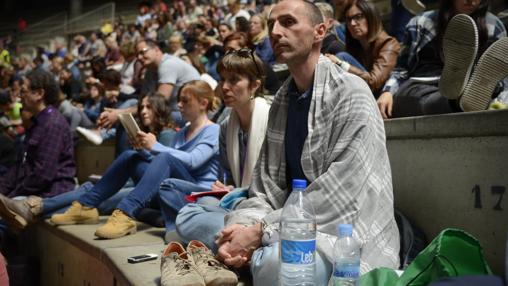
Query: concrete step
[{"x": 450, "y": 171}]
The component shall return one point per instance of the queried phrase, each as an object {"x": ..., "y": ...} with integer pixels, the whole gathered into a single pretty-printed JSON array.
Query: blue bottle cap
[
  {"x": 345, "y": 230},
  {"x": 299, "y": 184}
]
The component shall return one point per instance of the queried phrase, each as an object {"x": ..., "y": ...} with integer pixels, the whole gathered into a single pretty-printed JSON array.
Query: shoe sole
[
  {"x": 460, "y": 46},
  {"x": 107, "y": 236},
  {"x": 91, "y": 138},
  {"x": 491, "y": 68},
  {"x": 87, "y": 221},
  {"x": 12, "y": 219},
  {"x": 414, "y": 6}
]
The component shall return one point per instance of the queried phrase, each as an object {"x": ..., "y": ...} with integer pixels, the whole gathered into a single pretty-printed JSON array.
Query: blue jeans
[
  {"x": 351, "y": 60},
  {"x": 146, "y": 172},
  {"x": 172, "y": 194},
  {"x": 203, "y": 222},
  {"x": 61, "y": 202}
]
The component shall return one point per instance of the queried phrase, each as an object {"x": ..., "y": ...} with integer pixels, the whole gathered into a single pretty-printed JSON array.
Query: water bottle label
[
  {"x": 347, "y": 270},
  {"x": 298, "y": 251}
]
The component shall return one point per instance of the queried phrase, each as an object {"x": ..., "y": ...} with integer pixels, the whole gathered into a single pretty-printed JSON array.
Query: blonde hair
[{"x": 200, "y": 90}]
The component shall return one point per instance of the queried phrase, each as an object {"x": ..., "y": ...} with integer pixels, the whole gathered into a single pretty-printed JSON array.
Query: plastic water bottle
[
  {"x": 298, "y": 239},
  {"x": 346, "y": 270}
]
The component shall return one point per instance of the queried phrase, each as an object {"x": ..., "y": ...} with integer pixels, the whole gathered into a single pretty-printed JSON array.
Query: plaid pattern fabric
[
  {"x": 420, "y": 31},
  {"x": 46, "y": 165},
  {"x": 345, "y": 159}
]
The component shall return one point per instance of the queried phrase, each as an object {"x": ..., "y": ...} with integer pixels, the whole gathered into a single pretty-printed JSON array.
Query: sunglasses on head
[{"x": 246, "y": 53}]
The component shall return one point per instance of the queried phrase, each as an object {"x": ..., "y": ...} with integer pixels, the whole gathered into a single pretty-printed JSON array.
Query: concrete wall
[{"x": 452, "y": 171}]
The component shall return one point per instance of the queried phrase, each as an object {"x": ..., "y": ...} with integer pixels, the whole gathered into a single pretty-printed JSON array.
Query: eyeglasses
[
  {"x": 357, "y": 18},
  {"x": 143, "y": 51},
  {"x": 246, "y": 53}
]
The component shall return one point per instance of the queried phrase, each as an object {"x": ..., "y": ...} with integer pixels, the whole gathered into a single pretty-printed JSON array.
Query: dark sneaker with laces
[
  {"x": 177, "y": 268},
  {"x": 213, "y": 271}
]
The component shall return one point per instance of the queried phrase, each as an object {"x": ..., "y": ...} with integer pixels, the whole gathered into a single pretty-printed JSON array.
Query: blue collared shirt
[{"x": 296, "y": 130}]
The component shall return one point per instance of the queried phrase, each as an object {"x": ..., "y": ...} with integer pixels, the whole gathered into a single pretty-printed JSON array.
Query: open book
[{"x": 130, "y": 125}]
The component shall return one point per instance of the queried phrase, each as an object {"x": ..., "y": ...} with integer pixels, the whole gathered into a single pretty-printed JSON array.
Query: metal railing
[
  {"x": 43, "y": 32},
  {"x": 92, "y": 20}
]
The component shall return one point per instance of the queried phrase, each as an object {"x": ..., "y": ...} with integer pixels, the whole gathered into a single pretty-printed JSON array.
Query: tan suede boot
[
  {"x": 76, "y": 214},
  {"x": 119, "y": 224}
]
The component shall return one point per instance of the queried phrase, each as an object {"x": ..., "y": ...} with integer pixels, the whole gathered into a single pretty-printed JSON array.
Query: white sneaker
[{"x": 90, "y": 135}]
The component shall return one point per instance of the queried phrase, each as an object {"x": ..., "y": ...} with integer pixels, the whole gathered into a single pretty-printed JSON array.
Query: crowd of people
[{"x": 214, "y": 115}]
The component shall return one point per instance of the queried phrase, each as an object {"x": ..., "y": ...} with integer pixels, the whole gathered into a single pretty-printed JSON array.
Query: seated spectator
[
  {"x": 132, "y": 35},
  {"x": 72, "y": 64},
  {"x": 175, "y": 46},
  {"x": 342, "y": 155},
  {"x": 92, "y": 106},
  {"x": 240, "y": 136},
  {"x": 224, "y": 30},
  {"x": 113, "y": 100},
  {"x": 331, "y": 43},
  {"x": 235, "y": 11},
  {"x": 75, "y": 116},
  {"x": 154, "y": 119},
  {"x": 191, "y": 157},
  {"x": 242, "y": 25},
  {"x": 371, "y": 53},
  {"x": 237, "y": 41},
  {"x": 5, "y": 56},
  {"x": 113, "y": 56},
  {"x": 81, "y": 48},
  {"x": 405, "y": 93},
  {"x": 46, "y": 165},
  {"x": 258, "y": 33},
  {"x": 70, "y": 87},
  {"x": 97, "y": 46},
  {"x": 165, "y": 30},
  {"x": 128, "y": 51},
  {"x": 144, "y": 14},
  {"x": 196, "y": 62}
]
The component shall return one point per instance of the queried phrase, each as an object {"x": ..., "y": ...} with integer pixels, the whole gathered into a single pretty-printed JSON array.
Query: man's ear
[
  {"x": 39, "y": 94},
  {"x": 319, "y": 32}
]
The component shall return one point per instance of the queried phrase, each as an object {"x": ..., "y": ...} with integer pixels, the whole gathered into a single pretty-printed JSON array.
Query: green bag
[{"x": 452, "y": 253}]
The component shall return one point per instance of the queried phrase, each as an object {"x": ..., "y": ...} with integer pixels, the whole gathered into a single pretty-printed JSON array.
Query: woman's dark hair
[
  {"x": 374, "y": 25},
  {"x": 446, "y": 13},
  {"x": 111, "y": 78},
  {"x": 242, "y": 24},
  {"x": 98, "y": 65},
  {"x": 161, "y": 112},
  {"x": 100, "y": 89},
  {"x": 41, "y": 79}
]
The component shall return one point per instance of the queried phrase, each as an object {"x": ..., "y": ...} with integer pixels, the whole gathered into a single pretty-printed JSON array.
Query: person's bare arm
[
  {"x": 166, "y": 90},
  {"x": 110, "y": 116}
]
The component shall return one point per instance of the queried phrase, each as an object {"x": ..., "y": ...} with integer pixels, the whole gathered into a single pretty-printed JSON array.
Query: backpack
[{"x": 412, "y": 239}]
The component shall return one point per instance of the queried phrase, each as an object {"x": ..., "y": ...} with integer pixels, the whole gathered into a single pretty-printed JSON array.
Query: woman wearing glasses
[
  {"x": 374, "y": 52},
  {"x": 240, "y": 141}
]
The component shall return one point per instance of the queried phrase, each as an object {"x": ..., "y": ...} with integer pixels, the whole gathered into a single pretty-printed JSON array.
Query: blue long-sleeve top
[{"x": 200, "y": 154}]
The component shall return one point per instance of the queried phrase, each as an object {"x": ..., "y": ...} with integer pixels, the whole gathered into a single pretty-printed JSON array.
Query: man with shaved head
[{"x": 324, "y": 127}]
